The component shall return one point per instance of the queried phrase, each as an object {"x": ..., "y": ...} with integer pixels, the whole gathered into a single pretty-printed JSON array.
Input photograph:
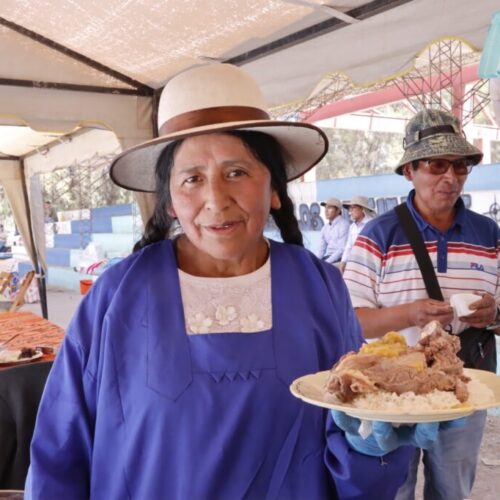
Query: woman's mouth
[{"x": 223, "y": 227}]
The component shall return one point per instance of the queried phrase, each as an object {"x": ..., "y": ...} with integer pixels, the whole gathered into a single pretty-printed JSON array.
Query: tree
[{"x": 356, "y": 153}]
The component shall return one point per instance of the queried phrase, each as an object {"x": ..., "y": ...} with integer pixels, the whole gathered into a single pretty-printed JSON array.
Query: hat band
[
  {"x": 211, "y": 116},
  {"x": 427, "y": 132}
]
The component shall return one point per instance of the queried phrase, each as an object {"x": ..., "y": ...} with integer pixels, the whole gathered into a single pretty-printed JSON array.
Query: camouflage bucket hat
[{"x": 432, "y": 133}]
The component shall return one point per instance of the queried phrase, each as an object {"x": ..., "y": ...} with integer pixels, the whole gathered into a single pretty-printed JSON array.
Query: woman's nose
[{"x": 216, "y": 194}]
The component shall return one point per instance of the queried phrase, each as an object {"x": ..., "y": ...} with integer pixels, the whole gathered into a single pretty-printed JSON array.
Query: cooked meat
[
  {"x": 440, "y": 351},
  {"x": 26, "y": 352},
  {"x": 389, "y": 365}
]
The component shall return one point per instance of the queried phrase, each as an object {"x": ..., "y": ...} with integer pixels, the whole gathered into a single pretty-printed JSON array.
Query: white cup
[{"x": 461, "y": 301}]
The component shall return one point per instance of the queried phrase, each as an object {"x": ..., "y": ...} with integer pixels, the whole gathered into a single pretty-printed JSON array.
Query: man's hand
[
  {"x": 485, "y": 312},
  {"x": 423, "y": 311}
]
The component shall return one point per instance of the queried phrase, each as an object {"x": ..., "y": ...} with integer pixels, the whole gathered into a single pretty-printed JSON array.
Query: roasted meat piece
[
  {"x": 390, "y": 365},
  {"x": 26, "y": 352}
]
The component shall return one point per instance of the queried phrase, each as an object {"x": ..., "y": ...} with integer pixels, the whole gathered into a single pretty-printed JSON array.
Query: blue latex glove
[{"x": 386, "y": 438}]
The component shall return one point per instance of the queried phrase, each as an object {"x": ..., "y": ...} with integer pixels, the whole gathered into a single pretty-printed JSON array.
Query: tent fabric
[
  {"x": 12, "y": 181},
  {"x": 150, "y": 41},
  {"x": 71, "y": 68}
]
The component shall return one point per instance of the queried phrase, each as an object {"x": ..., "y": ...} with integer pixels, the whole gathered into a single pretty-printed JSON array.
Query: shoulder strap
[{"x": 420, "y": 251}]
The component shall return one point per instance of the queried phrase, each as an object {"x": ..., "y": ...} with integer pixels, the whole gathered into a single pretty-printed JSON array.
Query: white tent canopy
[{"x": 68, "y": 69}]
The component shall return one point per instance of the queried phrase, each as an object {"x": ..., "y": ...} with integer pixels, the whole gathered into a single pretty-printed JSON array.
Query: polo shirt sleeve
[{"x": 363, "y": 271}]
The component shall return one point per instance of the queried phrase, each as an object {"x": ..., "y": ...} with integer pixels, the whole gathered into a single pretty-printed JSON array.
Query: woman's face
[{"x": 221, "y": 196}]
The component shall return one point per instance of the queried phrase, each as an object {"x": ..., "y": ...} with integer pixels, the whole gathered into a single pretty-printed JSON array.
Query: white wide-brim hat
[
  {"x": 216, "y": 98},
  {"x": 332, "y": 202},
  {"x": 361, "y": 201}
]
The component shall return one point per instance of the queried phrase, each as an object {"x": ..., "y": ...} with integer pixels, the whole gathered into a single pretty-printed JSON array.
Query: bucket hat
[
  {"x": 333, "y": 202},
  {"x": 361, "y": 201},
  {"x": 433, "y": 133},
  {"x": 216, "y": 98}
]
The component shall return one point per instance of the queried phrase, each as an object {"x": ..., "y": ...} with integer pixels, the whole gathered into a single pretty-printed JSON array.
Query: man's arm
[
  {"x": 341, "y": 237},
  {"x": 322, "y": 244}
]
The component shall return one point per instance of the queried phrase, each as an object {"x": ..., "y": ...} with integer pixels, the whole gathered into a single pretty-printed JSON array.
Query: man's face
[
  {"x": 331, "y": 211},
  {"x": 435, "y": 194},
  {"x": 356, "y": 213}
]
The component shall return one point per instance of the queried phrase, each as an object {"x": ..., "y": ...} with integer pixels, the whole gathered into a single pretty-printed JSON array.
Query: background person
[
  {"x": 50, "y": 211},
  {"x": 387, "y": 288},
  {"x": 159, "y": 388},
  {"x": 3, "y": 239},
  {"x": 333, "y": 233},
  {"x": 360, "y": 213}
]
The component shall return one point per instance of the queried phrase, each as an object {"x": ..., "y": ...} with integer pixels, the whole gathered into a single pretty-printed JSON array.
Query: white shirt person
[
  {"x": 361, "y": 213},
  {"x": 334, "y": 232}
]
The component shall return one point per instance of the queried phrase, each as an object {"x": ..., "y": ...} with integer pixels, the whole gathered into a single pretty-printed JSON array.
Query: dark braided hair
[{"x": 265, "y": 148}]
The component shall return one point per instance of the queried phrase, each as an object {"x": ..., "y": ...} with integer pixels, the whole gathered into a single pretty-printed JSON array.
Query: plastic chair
[
  {"x": 5, "y": 280},
  {"x": 14, "y": 305}
]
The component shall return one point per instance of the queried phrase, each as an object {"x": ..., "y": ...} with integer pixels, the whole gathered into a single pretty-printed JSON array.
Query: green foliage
[
  {"x": 76, "y": 188},
  {"x": 6, "y": 217},
  {"x": 355, "y": 153}
]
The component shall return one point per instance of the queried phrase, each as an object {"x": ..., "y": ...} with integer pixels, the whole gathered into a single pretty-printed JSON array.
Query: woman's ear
[
  {"x": 171, "y": 212},
  {"x": 275, "y": 200}
]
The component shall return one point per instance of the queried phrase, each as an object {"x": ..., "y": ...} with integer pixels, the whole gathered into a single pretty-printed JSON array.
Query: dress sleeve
[
  {"x": 359, "y": 476},
  {"x": 61, "y": 449}
]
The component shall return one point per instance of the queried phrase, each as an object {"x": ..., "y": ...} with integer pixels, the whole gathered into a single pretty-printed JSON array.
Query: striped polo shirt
[{"x": 383, "y": 272}]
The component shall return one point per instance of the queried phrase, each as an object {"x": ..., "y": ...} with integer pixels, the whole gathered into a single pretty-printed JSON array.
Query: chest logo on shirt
[{"x": 476, "y": 266}]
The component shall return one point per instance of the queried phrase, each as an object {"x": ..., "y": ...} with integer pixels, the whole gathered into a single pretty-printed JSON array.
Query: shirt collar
[{"x": 423, "y": 224}]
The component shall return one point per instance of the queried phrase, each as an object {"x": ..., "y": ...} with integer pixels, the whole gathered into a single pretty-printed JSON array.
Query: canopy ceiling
[
  {"x": 56, "y": 55},
  {"x": 71, "y": 66}
]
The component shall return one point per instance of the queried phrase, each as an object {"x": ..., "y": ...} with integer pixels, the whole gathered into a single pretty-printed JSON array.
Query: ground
[{"x": 487, "y": 484}]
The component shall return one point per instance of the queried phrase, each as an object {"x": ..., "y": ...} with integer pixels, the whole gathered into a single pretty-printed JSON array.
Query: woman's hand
[
  {"x": 423, "y": 311},
  {"x": 386, "y": 438},
  {"x": 485, "y": 312}
]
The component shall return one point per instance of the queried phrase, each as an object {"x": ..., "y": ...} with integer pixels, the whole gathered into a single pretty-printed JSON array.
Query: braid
[
  {"x": 159, "y": 226},
  {"x": 287, "y": 222}
]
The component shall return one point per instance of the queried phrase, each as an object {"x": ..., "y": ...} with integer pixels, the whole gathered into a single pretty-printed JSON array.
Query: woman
[{"x": 173, "y": 378}]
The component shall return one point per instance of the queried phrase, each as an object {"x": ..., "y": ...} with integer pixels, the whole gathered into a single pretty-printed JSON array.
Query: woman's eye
[
  {"x": 192, "y": 179},
  {"x": 236, "y": 173}
]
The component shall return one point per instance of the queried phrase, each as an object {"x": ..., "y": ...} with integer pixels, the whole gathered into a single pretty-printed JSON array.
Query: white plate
[
  {"x": 11, "y": 357},
  {"x": 310, "y": 388}
]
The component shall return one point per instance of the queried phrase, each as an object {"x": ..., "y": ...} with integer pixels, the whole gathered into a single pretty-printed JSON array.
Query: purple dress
[{"x": 136, "y": 408}]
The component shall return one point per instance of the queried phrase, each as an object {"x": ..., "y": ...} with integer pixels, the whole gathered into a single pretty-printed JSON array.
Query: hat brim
[
  {"x": 440, "y": 145},
  {"x": 304, "y": 145},
  {"x": 347, "y": 205},
  {"x": 326, "y": 204}
]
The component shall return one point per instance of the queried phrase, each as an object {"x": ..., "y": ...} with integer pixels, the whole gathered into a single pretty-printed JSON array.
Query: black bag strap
[{"x": 420, "y": 251}]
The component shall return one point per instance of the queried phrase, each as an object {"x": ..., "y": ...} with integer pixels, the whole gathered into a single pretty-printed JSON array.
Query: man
[
  {"x": 334, "y": 232},
  {"x": 360, "y": 213},
  {"x": 387, "y": 288},
  {"x": 49, "y": 212}
]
